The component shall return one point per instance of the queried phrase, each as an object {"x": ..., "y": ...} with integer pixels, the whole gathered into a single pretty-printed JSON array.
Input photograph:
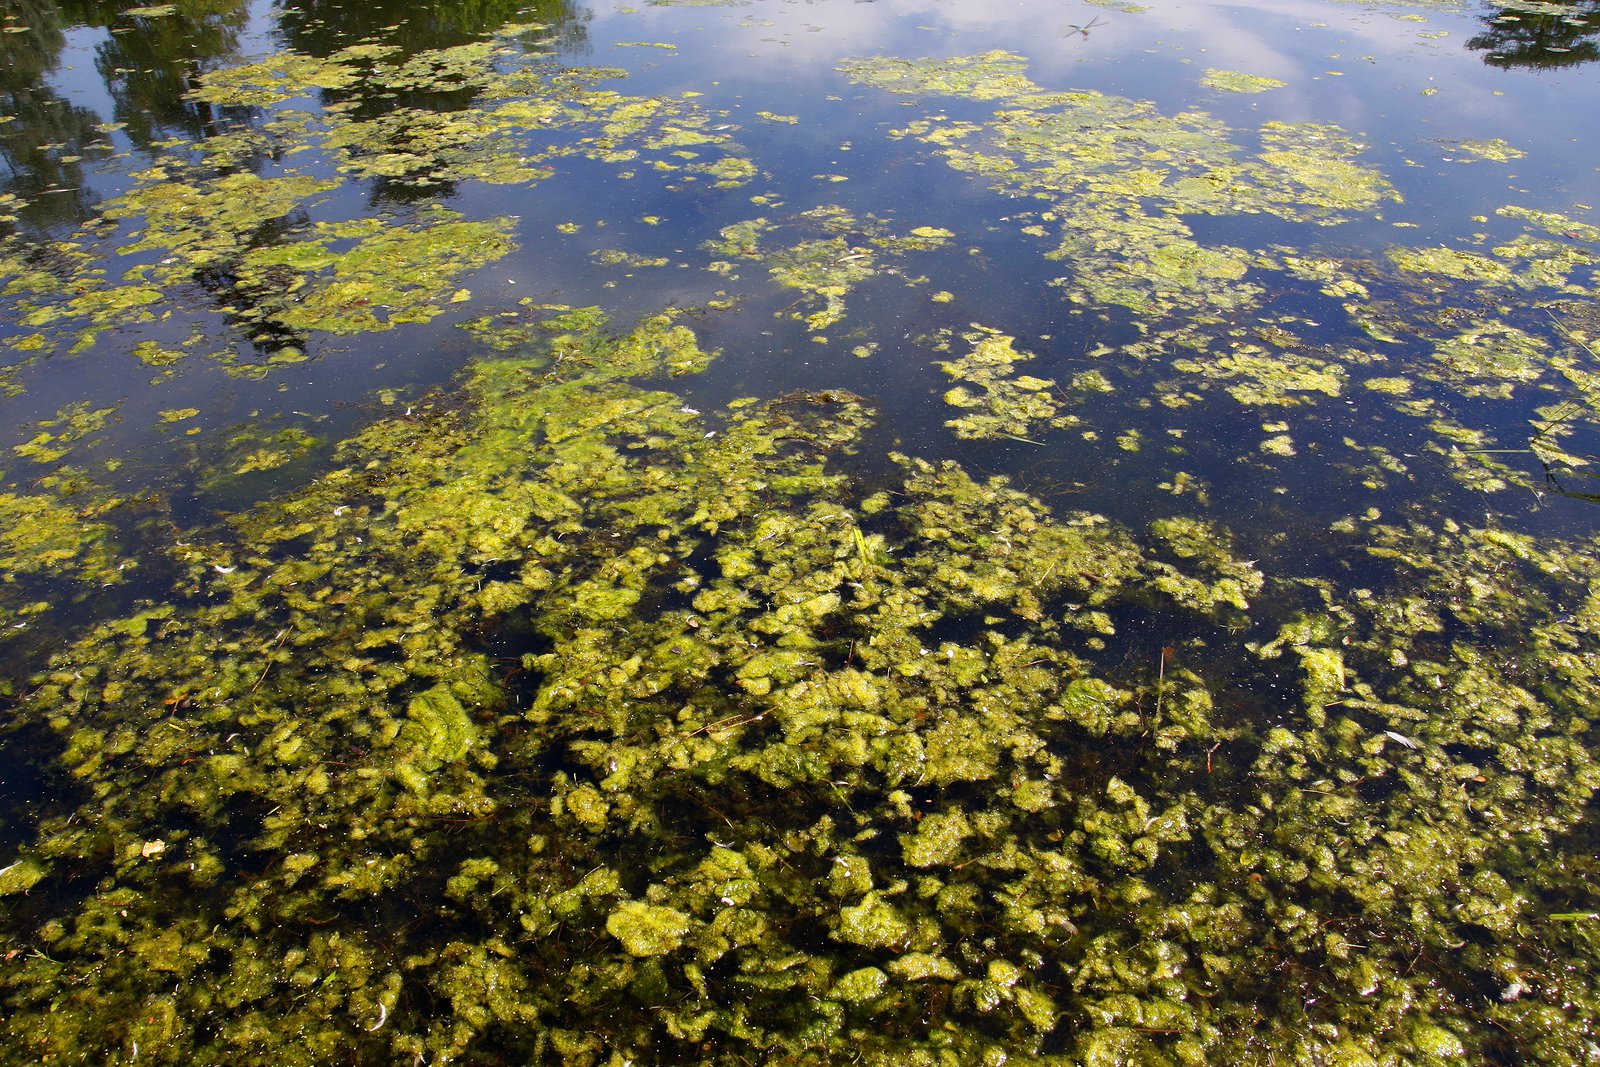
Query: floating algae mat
[{"x": 731, "y": 534}]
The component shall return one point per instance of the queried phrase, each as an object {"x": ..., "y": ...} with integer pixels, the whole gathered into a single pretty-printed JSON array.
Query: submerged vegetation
[
  {"x": 760, "y": 765},
  {"x": 548, "y": 718}
]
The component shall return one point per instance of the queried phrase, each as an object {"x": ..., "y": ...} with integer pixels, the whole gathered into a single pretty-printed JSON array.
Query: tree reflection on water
[
  {"x": 1542, "y": 36},
  {"x": 150, "y": 62}
]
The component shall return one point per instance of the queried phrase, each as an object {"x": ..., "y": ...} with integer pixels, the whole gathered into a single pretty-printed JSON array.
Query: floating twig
[
  {"x": 1161, "y": 681},
  {"x": 283, "y": 635}
]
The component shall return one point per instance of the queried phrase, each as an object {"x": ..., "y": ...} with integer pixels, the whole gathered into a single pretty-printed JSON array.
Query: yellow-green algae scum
[{"x": 787, "y": 769}]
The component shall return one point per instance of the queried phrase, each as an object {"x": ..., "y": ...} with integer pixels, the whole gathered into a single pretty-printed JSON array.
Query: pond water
[{"x": 741, "y": 532}]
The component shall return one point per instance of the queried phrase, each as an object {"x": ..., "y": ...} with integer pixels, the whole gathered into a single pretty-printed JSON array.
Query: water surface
[{"x": 800, "y": 533}]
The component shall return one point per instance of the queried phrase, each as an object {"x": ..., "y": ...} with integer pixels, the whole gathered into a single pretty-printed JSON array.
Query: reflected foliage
[
  {"x": 149, "y": 63},
  {"x": 235, "y": 215},
  {"x": 44, "y": 137},
  {"x": 1540, "y": 35},
  {"x": 322, "y": 27},
  {"x": 154, "y": 57}
]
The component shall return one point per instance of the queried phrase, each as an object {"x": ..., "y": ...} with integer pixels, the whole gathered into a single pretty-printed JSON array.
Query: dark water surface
[{"x": 745, "y": 532}]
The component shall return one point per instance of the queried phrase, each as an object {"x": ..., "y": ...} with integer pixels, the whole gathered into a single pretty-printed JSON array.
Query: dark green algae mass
[{"x": 560, "y": 723}]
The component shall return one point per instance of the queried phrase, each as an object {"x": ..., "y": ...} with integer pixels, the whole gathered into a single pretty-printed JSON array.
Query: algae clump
[
  {"x": 646, "y": 930},
  {"x": 1235, "y": 82},
  {"x": 1118, "y": 175},
  {"x": 846, "y": 252},
  {"x": 708, "y": 736},
  {"x": 439, "y": 726},
  {"x": 1010, "y": 403}
]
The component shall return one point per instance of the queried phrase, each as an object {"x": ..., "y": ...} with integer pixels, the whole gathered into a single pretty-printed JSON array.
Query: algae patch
[
  {"x": 241, "y": 222},
  {"x": 1235, "y": 82},
  {"x": 1010, "y": 404},
  {"x": 845, "y": 252},
  {"x": 645, "y": 930},
  {"x": 1102, "y": 163},
  {"x": 777, "y": 751},
  {"x": 704, "y": 736}
]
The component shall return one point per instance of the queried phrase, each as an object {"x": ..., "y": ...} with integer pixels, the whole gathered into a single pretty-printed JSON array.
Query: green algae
[
  {"x": 1436, "y": 326},
  {"x": 64, "y": 432},
  {"x": 1235, "y": 82},
  {"x": 937, "y": 839},
  {"x": 1117, "y": 175},
  {"x": 748, "y": 786},
  {"x": 1552, "y": 222},
  {"x": 58, "y": 543},
  {"x": 20, "y": 876},
  {"x": 1494, "y": 149},
  {"x": 755, "y": 767},
  {"x": 1280, "y": 445},
  {"x": 613, "y": 257},
  {"x": 828, "y": 267},
  {"x": 1433, "y": 323},
  {"x": 645, "y": 930},
  {"x": 1524, "y": 263},
  {"x": 42, "y": 534},
  {"x": 438, "y": 726},
  {"x": 1255, "y": 375},
  {"x": 485, "y": 516},
  {"x": 991, "y": 76},
  {"x": 206, "y": 220},
  {"x": 1487, "y": 359},
  {"x": 1452, "y": 263},
  {"x": 865, "y": 984},
  {"x": 251, "y": 449},
  {"x": 1010, "y": 404}
]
